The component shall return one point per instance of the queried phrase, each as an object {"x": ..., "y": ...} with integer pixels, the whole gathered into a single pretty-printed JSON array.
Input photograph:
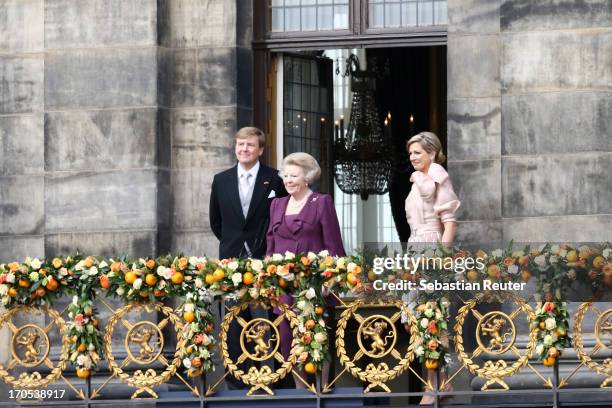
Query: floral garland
[
  {"x": 431, "y": 344},
  {"x": 552, "y": 325},
  {"x": 307, "y": 277}
]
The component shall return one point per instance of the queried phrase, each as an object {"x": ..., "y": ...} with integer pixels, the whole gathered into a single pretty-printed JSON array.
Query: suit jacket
[
  {"x": 227, "y": 220},
  {"x": 314, "y": 228}
]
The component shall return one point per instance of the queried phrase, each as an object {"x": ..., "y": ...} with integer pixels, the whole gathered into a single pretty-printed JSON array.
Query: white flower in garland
[
  {"x": 497, "y": 253},
  {"x": 34, "y": 276},
  {"x": 539, "y": 348},
  {"x": 137, "y": 284},
  {"x": 341, "y": 262},
  {"x": 289, "y": 255},
  {"x": 310, "y": 294},
  {"x": 36, "y": 264},
  {"x": 540, "y": 260},
  {"x": 277, "y": 257},
  {"x": 187, "y": 363},
  {"x": 311, "y": 256},
  {"x": 233, "y": 265},
  {"x": 84, "y": 361},
  {"x": 193, "y": 261},
  {"x": 424, "y": 323},
  {"x": 550, "y": 323},
  {"x": 419, "y": 351},
  {"x": 3, "y": 289},
  {"x": 10, "y": 277},
  {"x": 324, "y": 253},
  {"x": 548, "y": 340},
  {"x": 351, "y": 266},
  {"x": 236, "y": 278},
  {"x": 320, "y": 337},
  {"x": 120, "y": 291},
  {"x": 257, "y": 265},
  {"x": 513, "y": 269},
  {"x": 189, "y": 307},
  {"x": 198, "y": 283}
]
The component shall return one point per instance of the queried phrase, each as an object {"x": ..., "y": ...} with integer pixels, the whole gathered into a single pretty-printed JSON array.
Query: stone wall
[
  {"x": 113, "y": 118},
  {"x": 529, "y": 102}
]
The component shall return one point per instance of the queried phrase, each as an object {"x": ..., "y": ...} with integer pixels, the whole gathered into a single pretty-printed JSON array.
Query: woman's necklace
[{"x": 297, "y": 204}]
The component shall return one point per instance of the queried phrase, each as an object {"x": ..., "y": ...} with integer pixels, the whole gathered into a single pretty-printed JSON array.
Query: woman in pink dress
[{"x": 430, "y": 206}]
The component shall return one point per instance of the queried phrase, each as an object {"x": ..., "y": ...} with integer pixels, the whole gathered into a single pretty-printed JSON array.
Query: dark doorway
[{"x": 415, "y": 85}]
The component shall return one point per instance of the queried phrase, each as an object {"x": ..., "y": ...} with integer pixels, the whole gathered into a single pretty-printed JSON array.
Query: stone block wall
[
  {"x": 529, "y": 98},
  {"x": 113, "y": 118}
]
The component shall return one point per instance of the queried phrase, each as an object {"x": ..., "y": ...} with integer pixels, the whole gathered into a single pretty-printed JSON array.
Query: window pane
[
  {"x": 377, "y": 16},
  {"x": 292, "y": 19},
  {"x": 292, "y": 2},
  {"x": 340, "y": 2},
  {"x": 440, "y": 12},
  {"x": 277, "y": 3},
  {"x": 341, "y": 17},
  {"x": 325, "y": 17},
  {"x": 277, "y": 19},
  {"x": 425, "y": 13},
  {"x": 308, "y": 2},
  {"x": 409, "y": 14},
  {"x": 392, "y": 16},
  {"x": 309, "y": 18},
  {"x": 326, "y": 1}
]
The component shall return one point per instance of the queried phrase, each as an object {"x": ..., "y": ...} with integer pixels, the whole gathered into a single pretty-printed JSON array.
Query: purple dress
[{"x": 313, "y": 229}]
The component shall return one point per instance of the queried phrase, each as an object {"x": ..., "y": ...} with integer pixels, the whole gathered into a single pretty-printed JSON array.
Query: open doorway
[{"x": 311, "y": 93}]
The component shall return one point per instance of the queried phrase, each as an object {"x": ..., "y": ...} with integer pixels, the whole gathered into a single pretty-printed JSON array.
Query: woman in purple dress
[{"x": 303, "y": 222}]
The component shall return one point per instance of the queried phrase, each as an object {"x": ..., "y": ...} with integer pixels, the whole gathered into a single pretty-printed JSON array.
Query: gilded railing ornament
[
  {"x": 259, "y": 341},
  {"x": 495, "y": 335},
  {"x": 30, "y": 347},
  {"x": 144, "y": 342},
  {"x": 376, "y": 338},
  {"x": 603, "y": 340}
]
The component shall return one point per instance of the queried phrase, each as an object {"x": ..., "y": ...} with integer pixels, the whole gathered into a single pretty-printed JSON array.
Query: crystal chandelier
[{"x": 362, "y": 156}]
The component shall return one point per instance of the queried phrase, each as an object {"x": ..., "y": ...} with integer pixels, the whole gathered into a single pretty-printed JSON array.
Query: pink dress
[{"x": 431, "y": 202}]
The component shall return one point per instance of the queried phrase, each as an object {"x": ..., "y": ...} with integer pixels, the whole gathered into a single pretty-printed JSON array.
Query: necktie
[{"x": 245, "y": 186}]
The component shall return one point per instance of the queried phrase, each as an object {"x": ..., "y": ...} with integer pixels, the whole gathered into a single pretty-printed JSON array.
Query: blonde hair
[
  {"x": 312, "y": 170},
  {"x": 430, "y": 143},
  {"x": 250, "y": 131}
]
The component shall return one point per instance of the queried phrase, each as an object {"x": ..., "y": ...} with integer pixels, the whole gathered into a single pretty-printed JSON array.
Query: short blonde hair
[
  {"x": 250, "y": 131},
  {"x": 430, "y": 143},
  {"x": 312, "y": 170}
]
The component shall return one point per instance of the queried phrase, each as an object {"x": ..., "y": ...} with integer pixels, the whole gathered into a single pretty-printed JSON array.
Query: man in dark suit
[
  {"x": 240, "y": 212},
  {"x": 240, "y": 199}
]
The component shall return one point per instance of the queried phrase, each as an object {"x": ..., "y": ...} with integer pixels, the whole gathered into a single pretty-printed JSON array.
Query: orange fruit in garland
[
  {"x": 105, "y": 281},
  {"x": 218, "y": 274},
  {"x": 189, "y": 316},
  {"x": 82, "y": 347},
  {"x": 209, "y": 279},
  {"x": 52, "y": 284},
  {"x": 282, "y": 283},
  {"x": 130, "y": 277},
  {"x": 12, "y": 292},
  {"x": 151, "y": 279},
  {"x": 24, "y": 283},
  {"x": 351, "y": 278},
  {"x": 549, "y": 361},
  {"x": 177, "y": 278},
  {"x": 310, "y": 368},
  {"x": 248, "y": 278},
  {"x": 40, "y": 291},
  {"x": 431, "y": 364},
  {"x": 82, "y": 373},
  {"x": 319, "y": 310}
]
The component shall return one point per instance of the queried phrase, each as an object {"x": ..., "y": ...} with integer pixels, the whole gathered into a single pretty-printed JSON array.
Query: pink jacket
[{"x": 431, "y": 202}]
